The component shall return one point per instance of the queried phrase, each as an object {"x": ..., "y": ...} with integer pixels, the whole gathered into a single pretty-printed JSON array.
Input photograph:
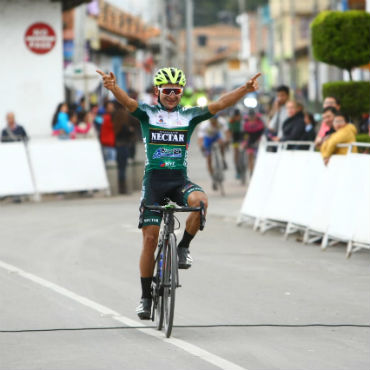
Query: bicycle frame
[{"x": 166, "y": 278}]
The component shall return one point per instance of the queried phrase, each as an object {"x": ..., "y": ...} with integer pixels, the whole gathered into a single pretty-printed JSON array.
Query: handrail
[
  {"x": 343, "y": 145},
  {"x": 284, "y": 144}
]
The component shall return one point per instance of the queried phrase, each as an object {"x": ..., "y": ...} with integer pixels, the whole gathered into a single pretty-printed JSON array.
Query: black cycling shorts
[{"x": 161, "y": 184}]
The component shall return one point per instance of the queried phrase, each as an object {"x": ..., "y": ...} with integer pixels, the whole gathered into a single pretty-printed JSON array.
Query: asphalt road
[{"x": 69, "y": 285}]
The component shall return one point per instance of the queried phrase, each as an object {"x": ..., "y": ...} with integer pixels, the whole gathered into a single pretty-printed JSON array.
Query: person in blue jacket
[{"x": 61, "y": 123}]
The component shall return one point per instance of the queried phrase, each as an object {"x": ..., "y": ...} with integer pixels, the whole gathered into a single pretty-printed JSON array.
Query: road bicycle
[
  {"x": 218, "y": 167},
  {"x": 166, "y": 274},
  {"x": 242, "y": 163}
]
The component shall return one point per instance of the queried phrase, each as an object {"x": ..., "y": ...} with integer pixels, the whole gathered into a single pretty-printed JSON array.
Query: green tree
[
  {"x": 354, "y": 96},
  {"x": 342, "y": 38}
]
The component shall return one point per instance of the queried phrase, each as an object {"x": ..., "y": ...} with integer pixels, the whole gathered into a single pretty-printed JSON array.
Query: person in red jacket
[{"x": 107, "y": 137}]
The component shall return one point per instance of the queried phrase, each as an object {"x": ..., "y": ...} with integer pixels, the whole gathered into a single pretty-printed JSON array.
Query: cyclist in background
[
  {"x": 253, "y": 128},
  {"x": 210, "y": 132},
  {"x": 166, "y": 130},
  {"x": 236, "y": 136}
]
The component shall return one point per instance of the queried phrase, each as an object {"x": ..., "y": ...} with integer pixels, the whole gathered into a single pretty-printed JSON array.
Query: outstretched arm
[
  {"x": 109, "y": 82},
  {"x": 232, "y": 97}
]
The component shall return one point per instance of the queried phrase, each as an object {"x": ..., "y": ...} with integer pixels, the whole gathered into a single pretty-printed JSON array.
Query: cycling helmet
[{"x": 169, "y": 75}]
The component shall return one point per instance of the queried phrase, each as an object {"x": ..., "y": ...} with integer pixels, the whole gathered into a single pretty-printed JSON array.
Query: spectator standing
[
  {"x": 107, "y": 137},
  {"x": 81, "y": 109},
  {"x": 125, "y": 136},
  {"x": 98, "y": 118},
  {"x": 278, "y": 112},
  {"x": 13, "y": 131},
  {"x": 293, "y": 126},
  {"x": 328, "y": 116},
  {"x": 137, "y": 129},
  {"x": 309, "y": 130},
  {"x": 329, "y": 101},
  {"x": 344, "y": 133}
]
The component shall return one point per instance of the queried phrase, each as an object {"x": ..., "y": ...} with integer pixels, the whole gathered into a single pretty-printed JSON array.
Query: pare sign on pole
[{"x": 40, "y": 38}]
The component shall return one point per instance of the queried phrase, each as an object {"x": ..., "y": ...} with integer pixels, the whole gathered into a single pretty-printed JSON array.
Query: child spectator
[
  {"x": 61, "y": 124},
  {"x": 84, "y": 127}
]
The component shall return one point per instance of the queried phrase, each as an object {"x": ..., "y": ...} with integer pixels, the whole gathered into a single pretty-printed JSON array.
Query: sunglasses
[{"x": 170, "y": 90}]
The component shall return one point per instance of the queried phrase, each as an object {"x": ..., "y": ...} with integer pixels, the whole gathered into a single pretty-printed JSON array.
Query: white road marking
[{"x": 106, "y": 311}]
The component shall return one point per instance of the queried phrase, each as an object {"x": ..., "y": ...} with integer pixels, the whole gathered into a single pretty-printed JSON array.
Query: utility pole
[
  {"x": 241, "y": 4},
  {"x": 314, "y": 63},
  {"x": 174, "y": 28},
  {"x": 80, "y": 45},
  {"x": 281, "y": 42},
  {"x": 163, "y": 23},
  {"x": 189, "y": 42},
  {"x": 293, "y": 58}
]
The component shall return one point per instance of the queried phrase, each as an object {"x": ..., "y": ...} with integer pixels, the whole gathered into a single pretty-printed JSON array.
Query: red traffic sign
[{"x": 40, "y": 38}]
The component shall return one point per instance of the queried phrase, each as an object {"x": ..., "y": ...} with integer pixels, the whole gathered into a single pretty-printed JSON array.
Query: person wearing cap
[{"x": 166, "y": 130}]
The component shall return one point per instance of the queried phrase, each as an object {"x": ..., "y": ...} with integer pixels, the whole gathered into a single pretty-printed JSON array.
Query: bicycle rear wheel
[
  {"x": 243, "y": 166},
  {"x": 218, "y": 171},
  {"x": 170, "y": 283}
]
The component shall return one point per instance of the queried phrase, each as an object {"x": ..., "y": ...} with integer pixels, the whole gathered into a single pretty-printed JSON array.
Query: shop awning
[{"x": 69, "y": 4}]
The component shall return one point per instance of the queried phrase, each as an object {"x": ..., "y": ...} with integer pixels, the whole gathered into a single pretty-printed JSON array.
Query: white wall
[{"x": 31, "y": 84}]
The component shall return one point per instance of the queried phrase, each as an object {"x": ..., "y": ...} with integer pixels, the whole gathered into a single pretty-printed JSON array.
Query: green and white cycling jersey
[{"x": 166, "y": 134}]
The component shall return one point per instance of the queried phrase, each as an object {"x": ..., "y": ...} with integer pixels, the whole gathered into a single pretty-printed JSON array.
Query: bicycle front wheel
[
  {"x": 158, "y": 292},
  {"x": 170, "y": 283}
]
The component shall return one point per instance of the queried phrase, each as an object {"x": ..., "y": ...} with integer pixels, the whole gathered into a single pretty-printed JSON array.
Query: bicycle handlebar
[{"x": 172, "y": 208}]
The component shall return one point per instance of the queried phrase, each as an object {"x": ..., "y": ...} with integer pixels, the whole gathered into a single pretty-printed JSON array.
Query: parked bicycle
[{"x": 166, "y": 274}]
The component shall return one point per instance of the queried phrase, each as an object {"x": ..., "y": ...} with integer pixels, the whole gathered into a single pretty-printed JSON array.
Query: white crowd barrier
[
  {"x": 51, "y": 166},
  {"x": 15, "y": 173},
  {"x": 294, "y": 189}
]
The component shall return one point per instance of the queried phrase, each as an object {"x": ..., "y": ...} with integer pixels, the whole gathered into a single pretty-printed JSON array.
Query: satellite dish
[{"x": 82, "y": 76}]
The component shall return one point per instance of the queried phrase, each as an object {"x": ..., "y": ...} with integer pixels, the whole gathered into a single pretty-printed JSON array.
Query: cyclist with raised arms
[{"x": 166, "y": 129}]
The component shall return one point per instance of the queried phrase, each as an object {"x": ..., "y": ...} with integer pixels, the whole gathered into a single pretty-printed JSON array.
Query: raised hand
[
  {"x": 109, "y": 80},
  {"x": 252, "y": 84}
]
